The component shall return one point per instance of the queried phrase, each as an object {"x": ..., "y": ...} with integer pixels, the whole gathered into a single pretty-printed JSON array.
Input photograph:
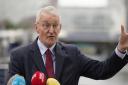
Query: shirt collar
[{"x": 43, "y": 48}]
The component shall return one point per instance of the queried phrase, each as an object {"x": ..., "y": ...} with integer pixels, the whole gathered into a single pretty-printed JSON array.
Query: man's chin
[{"x": 50, "y": 43}]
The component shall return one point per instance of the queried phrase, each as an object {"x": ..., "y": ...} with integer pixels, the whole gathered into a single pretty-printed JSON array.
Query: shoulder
[
  {"x": 21, "y": 50},
  {"x": 69, "y": 48}
]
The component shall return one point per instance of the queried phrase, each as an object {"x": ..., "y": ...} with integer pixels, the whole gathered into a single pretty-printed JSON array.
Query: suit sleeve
[
  {"x": 15, "y": 65},
  {"x": 100, "y": 69}
]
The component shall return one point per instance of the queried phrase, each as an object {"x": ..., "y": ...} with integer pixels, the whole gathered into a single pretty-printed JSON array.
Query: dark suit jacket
[{"x": 70, "y": 64}]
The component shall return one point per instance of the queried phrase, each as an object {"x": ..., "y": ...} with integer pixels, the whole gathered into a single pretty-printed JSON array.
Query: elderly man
[{"x": 67, "y": 62}]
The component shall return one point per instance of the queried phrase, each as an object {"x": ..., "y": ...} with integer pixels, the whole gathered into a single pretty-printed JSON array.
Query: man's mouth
[{"x": 51, "y": 36}]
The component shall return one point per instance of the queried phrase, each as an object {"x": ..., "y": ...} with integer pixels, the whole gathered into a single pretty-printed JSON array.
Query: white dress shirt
[{"x": 121, "y": 55}]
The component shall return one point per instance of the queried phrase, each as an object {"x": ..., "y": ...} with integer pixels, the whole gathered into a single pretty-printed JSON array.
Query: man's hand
[{"x": 123, "y": 40}]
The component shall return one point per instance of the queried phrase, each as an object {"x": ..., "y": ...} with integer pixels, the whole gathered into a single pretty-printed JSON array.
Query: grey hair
[{"x": 47, "y": 9}]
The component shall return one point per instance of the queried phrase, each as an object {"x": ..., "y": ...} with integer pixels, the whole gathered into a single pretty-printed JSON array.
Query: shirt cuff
[{"x": 121, "y": 55}]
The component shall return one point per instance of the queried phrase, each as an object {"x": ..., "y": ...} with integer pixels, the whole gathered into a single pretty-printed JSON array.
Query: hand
[{"x": 123, "y": 40}]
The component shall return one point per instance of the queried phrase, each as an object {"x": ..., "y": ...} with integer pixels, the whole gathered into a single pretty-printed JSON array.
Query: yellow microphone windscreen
[{"x": 52, "y": 81}]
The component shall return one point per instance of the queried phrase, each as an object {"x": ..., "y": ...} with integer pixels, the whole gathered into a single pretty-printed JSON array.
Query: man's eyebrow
[{"x": 44, "y": 21}]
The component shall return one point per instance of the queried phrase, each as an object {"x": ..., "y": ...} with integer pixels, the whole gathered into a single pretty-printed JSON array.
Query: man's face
[{"x": 48, "y": 27}]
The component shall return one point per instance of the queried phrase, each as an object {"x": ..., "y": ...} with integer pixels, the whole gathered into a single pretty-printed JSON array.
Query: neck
[{"x": 47, "y": 45}]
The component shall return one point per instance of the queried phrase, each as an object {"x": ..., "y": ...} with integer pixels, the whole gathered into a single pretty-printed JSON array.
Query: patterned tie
[{"x": 49, "y": 63}]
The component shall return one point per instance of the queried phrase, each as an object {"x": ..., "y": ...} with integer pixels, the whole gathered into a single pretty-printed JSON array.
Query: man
[{"x": 68, "y": 62}]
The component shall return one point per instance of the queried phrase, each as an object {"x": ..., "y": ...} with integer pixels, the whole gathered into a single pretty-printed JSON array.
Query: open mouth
[{"x": 51, "y": 37}]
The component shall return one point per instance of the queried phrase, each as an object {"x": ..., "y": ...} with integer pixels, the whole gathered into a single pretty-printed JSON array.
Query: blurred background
[{"x": 93, "y": 25}]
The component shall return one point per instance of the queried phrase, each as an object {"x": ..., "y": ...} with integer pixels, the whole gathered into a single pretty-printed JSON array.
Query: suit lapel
[
  {"x": 60, "y": 56},
  {"x": 37, "y": 58}
]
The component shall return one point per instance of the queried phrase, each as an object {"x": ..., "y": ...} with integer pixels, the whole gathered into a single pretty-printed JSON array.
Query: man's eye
[
  {"x": 55, "y": 25},
  {"x": 45, "y": 25}
]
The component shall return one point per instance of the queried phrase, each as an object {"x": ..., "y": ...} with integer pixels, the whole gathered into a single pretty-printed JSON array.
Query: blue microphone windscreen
[{"x": 19, "y": 80}]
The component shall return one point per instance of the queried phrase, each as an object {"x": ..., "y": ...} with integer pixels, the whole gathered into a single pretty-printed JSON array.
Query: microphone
[
  {"x": 38, "y": 78},
  {"x": 16, "y": 80},
  {"x": 52, "y": 81}
]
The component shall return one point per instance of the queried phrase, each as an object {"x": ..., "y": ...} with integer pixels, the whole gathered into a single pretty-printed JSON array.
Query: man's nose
[{"x": 51, "y": 30}]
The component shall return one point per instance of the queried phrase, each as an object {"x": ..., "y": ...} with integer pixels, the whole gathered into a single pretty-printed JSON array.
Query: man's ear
[
  {"x": 60, "y": 26},
  {"x": 36, "y": 28}
]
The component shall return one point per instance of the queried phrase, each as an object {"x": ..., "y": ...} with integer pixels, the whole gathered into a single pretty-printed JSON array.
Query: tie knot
[{"x": 48, "y": 52}]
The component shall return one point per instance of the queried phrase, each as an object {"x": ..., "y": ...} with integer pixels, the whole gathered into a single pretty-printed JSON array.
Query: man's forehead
[
  {"x": 49, "y": 21},
  {"x": 49, "y": 18}
]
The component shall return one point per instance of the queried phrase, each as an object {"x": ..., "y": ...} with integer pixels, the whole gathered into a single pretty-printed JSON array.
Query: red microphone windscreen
[{"x": 38, "y": 78}]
